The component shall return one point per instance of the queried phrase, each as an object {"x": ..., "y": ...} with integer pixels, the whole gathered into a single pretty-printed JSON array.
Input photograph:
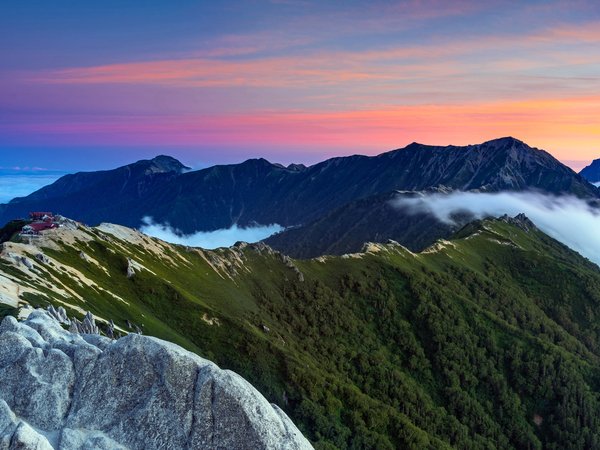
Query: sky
[{"x": 87, "y": 85}]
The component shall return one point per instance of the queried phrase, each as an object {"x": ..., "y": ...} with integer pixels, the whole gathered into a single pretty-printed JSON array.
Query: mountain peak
[
  {"x": 165, "y": 163},
  {"x": 259, "y": 162},
  {"x": 520, "y": 221},
  {"x": 592, "y": 172},
  {"x": 296, "y": 167},
  {"x": 501, "y": 142},
  {"x": 504, "y": 142},
  {"x": 414, "y": 145}
]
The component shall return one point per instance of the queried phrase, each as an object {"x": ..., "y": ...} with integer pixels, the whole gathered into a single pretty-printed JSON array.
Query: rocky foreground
[{"x": 62, "y": 390}]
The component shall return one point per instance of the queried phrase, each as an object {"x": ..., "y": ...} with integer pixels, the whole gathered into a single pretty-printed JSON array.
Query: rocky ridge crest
[{"x": 70, "y": 391}]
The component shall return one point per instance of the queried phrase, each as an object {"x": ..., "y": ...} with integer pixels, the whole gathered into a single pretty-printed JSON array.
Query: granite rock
[{"x": 62, "y": 391}]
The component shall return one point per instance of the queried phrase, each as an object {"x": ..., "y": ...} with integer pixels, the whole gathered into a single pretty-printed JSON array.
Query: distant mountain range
[
  {"x": 344, "y": 196},
  {"x": 592, "y": 172}
]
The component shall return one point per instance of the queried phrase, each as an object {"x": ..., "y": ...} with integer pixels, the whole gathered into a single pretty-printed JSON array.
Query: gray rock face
[
  {"x": 62, "y": 391},
  {"x": 130, "y": 269}
]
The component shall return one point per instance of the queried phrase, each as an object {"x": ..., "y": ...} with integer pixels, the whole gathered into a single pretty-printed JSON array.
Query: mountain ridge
[
  {"x": 381, "y": 349},
  {"x": 257, "y": 191},
  {"x": 592, "y": 171},
  {"x": 67, "y": 184},
  {"x": 373, "y": 219}
]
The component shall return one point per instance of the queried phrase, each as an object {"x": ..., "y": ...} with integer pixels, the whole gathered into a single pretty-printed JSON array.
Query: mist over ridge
[
  {"x": 568, "y": 219},
  {"x": 224, "y": 237}
]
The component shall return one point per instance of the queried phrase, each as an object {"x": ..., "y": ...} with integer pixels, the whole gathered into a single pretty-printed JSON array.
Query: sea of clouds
[
  {"x": 209, "y": 239},
  {"x": 567, "y": 219},
  {"x": 20, "y": 182}
]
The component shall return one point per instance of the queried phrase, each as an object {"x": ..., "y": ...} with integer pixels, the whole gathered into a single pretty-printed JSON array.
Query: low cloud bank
[
  {"x": 567, "y": 219},
  {"x": 15, "y": 183},
  {"x": 208, "y": 239}
]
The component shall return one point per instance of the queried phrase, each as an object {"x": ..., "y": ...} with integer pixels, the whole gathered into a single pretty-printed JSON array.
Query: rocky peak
[
  {"x": 259, "y": 163},
  {"x": 520, "y": 220},
  {"x": 63, "y": 390},
  {"x": 296, "y": 167},
  {"x": 511, "y": 150},
  {"x": 504, "y": 142},
  {"x": 165, "y": 164}
]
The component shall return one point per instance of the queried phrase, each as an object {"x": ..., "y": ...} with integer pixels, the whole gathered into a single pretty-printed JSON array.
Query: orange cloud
[{"x": 567, "y": 127}]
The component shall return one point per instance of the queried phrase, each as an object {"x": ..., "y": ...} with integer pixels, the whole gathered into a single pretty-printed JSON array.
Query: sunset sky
[{"x": 94, "y": 84}]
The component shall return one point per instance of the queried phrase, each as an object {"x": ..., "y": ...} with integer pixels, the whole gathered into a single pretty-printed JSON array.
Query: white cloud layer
[
  {"x": 15, "y": 184},
  {"x": 208, "y": 239},
  {"x": 567, "y": 219}
]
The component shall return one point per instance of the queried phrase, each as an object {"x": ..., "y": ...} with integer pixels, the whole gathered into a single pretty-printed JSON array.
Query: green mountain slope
[{"x": 489, "y": 340}]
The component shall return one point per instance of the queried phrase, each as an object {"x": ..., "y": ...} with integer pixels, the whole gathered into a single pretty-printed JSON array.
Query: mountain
[
  {"x": 490, "y": 339},
  {"x": 137, "y": 392},
  {"x": 257, "y": 191},
  {"x": 91, "y": 195},
  {"x": 378, "y": 218},
  {"x": 592, "y": 172}
]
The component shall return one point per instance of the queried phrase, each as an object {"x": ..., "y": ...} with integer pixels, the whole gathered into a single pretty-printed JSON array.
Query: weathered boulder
[
  {"x": 60, "y": 390},
  {"x": 130, "y": 268}
]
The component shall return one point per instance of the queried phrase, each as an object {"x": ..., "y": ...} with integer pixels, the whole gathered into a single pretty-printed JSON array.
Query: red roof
[{"x": 40, "y": 226}]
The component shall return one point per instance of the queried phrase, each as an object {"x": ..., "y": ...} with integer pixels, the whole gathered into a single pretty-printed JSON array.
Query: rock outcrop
[
  {"x": 520, "y": 220},
  {"x": 67, "y": 391}
]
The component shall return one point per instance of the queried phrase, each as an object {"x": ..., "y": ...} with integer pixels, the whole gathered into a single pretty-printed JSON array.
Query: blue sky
[{"x": 92, "y": 84}]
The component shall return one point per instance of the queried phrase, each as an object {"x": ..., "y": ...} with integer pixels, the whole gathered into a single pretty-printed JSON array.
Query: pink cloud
[
  {"x": 528, "y": 52},
  {"x": 560, "y": 125},
  {"x": 452, "y": 91},
  {"x": 314, "y": 70}
]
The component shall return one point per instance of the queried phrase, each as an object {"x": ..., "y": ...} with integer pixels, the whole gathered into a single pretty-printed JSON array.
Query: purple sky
[{"x": 95, "y": 84}]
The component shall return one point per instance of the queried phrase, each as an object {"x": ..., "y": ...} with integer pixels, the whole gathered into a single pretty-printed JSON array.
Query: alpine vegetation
[
  {"x": 488, "y": 339},
  {"x": 570, "y": 220}
]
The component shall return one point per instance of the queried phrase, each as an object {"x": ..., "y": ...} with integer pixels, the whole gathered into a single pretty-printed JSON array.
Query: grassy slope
[{"x": 456, "y": 348}]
